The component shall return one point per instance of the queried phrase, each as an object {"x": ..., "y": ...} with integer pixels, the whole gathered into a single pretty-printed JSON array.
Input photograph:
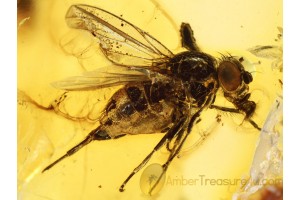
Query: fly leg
[
  {"x": 173, "y": 152},
  {"x": 187, "y": 37},
  {"x": 179, "y": 141},
  {"x": 97, "y": 134},
  {"x": 175, "y": 129},
  {"x": 234, "y": 110}
]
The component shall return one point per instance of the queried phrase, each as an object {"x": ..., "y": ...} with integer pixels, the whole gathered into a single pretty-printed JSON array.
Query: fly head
[{"x": 234, "y": 80}]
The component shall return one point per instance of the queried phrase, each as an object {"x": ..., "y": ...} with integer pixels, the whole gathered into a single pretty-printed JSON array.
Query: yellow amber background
[{"x": 97, "y": 171}]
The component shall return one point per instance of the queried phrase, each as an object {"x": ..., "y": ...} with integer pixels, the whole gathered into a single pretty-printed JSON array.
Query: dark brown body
[
  {"x": 145, "y": 107},
  {"x": 170, "y": 93},
  {"x": 139, "y": 108}
]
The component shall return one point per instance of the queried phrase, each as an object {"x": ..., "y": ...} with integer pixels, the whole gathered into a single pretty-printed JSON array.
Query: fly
[{"x": 161, "y": 92}]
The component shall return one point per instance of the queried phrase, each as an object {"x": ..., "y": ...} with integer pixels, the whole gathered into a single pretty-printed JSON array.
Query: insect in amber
[{"x": 161, "y": 92}]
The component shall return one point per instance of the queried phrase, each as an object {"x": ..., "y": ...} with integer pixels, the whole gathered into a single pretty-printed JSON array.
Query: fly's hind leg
[
  {"x": 187, "y": 37},
  {"x": 179, "y": 141},
  {"x": 96, "y": 134},
  {"x": 175, "y": 129}
]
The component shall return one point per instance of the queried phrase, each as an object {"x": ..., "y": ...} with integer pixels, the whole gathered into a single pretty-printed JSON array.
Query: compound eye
[{"x": 229, "y": 75}]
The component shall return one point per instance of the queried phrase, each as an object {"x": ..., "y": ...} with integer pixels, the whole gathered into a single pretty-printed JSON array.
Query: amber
[{"x": 216, "y": 158}]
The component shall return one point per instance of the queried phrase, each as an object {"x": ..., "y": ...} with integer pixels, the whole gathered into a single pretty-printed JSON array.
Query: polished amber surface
[{"x": 216, "y": 159}]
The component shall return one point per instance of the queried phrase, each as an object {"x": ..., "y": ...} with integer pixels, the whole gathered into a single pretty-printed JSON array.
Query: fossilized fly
[{"x": 161, "y": 92}]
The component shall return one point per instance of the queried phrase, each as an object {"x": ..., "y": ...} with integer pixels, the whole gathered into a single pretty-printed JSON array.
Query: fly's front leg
[
  {"x": 225, "y": 109},
  {"x": 234, "y": 110}
]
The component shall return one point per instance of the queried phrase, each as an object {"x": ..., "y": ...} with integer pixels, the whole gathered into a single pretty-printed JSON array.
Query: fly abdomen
[
  {"x": 138, "y": 108},
  {"x": 137, "y": 98}
]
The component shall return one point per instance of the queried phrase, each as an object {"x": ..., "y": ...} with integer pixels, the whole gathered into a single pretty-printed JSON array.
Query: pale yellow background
[{"x": 219, "y": 26}]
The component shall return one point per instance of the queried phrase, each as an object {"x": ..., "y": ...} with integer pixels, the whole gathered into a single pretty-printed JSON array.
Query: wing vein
[{"x": 125, "y": 35}]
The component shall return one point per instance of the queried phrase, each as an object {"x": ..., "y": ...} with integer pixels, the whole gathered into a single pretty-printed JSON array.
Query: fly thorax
[
  {"x": 203, "y": 92},
  {"x": 192, "y": 65}
]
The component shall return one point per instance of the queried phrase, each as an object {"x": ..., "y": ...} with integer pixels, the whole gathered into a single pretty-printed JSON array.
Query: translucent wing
[
  {"x": 121, "y": 42},
  {"x": 103, "y": 78}
]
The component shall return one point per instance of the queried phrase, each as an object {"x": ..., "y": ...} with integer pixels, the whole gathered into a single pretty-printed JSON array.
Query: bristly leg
[
  {"x": 173, "y": 132},
  {"x": 97, "y": 134},
  {"x": 234, "y": 110},
  {"x": 179, "y": 141},
  {"x": 225, "y": 109},
  {"x": 253, "y": 123}
]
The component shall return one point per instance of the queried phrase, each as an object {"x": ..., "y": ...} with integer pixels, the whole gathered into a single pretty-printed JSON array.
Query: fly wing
[
  {"x": 103, "y": 78},
  {"x": 121, "y": 42}
]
